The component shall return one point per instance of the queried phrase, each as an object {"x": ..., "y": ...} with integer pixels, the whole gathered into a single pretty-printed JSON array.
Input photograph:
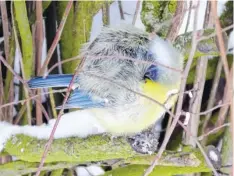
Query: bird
[{"x": 124, "y": 70}]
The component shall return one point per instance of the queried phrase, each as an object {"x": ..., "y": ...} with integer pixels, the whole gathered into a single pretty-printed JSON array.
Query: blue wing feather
[
  {"x": 57, "y": 80},
  {"x": 78, "y": 99}
]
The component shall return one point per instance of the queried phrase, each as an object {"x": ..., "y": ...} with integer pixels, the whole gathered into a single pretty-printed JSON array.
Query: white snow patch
[
  {"x": 92, "y": 170},
  {"x": 77, "y": 123}
]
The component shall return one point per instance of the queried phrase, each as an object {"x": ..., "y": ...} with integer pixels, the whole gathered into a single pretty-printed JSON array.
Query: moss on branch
[{"x": 74, "y": 151}]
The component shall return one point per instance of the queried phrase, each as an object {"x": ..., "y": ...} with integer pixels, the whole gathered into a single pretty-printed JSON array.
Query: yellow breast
[{"x": 130, "y": 119}]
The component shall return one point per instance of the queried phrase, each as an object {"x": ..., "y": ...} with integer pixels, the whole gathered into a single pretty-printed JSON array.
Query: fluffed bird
[{"x": 120, "y": 65}]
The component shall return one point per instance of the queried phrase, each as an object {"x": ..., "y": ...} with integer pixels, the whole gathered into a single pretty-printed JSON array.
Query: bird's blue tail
[{"x": 57, "y": 80}]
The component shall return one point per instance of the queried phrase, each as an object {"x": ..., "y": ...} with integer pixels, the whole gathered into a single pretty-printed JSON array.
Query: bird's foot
[{"x": 145, "y": 142}]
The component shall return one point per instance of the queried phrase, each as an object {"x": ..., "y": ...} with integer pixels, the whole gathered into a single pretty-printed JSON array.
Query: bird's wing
[
  {"x": 56, "y": 80},
  {"x": 81, "y": 99},
  {"x": 78, "y": 99}
]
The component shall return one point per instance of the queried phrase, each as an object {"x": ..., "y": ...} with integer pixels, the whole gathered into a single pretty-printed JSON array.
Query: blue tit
[{"x": 119, "y": 62}]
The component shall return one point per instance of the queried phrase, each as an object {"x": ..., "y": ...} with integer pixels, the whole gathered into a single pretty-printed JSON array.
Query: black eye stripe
[{"x": 152, "y": 73}]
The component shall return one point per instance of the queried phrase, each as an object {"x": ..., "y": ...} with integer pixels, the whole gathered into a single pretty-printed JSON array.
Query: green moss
[
  {"x": 70, "y": 150},
  {"x": 158, "y": 170},
  {"x": 77, "y": 30},
  {"x": 154, "y": 13},
  {"x": 22, "y": 167},
  {"x": 26, "y": 37},
  {"x": 101, "y": 148},
  {"x": 9, "y": 75},
  {"x": 66, "y": 37}
]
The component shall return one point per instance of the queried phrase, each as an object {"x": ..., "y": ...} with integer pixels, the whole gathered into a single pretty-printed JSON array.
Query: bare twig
[
  {"x": 121, "y": 10},
  {"x": 48, "y": 145},
  {"x": 195, "y": 102},
  {"x": 177, "y": 20},
  {"x": 199, "y": 84},
  {"x": 228, "y": 93},
  {"x": 228, "y": 90},
  {"x": 8, "y": 93},
  {"x": 5, "y": 28},
  {"x": 57, "y": 37},
  {"x": 136, "y": 12},
  {"x": 137, "y": 93},
  {"x": 181, "y": 95},
  {"x": 105, "y": 15},
  {"x": 231, "y": 118},
  {"x": 208, "y": 21},
  {"x": 212, "y": 95},
  {"x": 31, "y": 98},
  {"x": 201, "y": 149},
  {"x": 23, "y": 82},
  {"x": 2, "y": 114},
  {"x": 38, "y": 43},
  {"x": 212, "y": 109},
  {"x": 117, "y": 57},
  {"x": 220, "y": 40},
  {"x": 51, "y": 50},
  {"x": 214, "y": 34},
  {"x": 213, "y": 131}
]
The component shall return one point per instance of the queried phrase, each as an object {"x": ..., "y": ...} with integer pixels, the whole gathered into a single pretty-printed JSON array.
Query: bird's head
[{"x": 168, "y": 62}]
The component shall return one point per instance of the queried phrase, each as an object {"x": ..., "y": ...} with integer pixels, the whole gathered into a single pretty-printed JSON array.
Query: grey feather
[{"x": 102, "y": 59}]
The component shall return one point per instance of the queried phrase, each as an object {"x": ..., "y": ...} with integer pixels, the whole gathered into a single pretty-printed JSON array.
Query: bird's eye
[{"x": 151, "y": 73}]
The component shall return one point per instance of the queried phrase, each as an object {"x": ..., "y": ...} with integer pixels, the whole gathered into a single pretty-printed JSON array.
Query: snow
[
  {"x": 92, "y": 170},
  {"x": 74, "y": 124}
]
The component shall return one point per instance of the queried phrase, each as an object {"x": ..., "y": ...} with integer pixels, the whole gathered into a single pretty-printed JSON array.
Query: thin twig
[
  {"x": 39, "y": 36},
  {"x": 23, "y": 82},
  {"x": 5, "y": 28},
  {"x": 121, "y": 10},
  {"x": 51, "y": 50},
  {"x": 215, "y": 33},
  {"x": 211, "y": 100},
  {"x": 105, "y": 15},
  {"x": 196, "y": 101},
  {"x": 175, "y": 18},
  {"x": 220, "y": 40},
  {"x": 180, "y": 99},
  {"x": 199, "y": 84},
  {"x": 117, "y": 57},
  {"x": 137, "y": 93},
  {"x": 228, "y": 93},
  {"x": 212, "y": 109},
  {"x": 136, "y": 12},
  {"x": 213, "y": 131},
  {"x": 232, "y": 118},
  {"x": 48, "y": 144},
  {"x": 228, "y": 90},
  {"x": 2, "y": 116},
  {"x": 8, "y": 113},
  {"x": 175, "y": 26},
  {"x": 31, "y": 98},
  {"x": 57, "y": 37}
]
